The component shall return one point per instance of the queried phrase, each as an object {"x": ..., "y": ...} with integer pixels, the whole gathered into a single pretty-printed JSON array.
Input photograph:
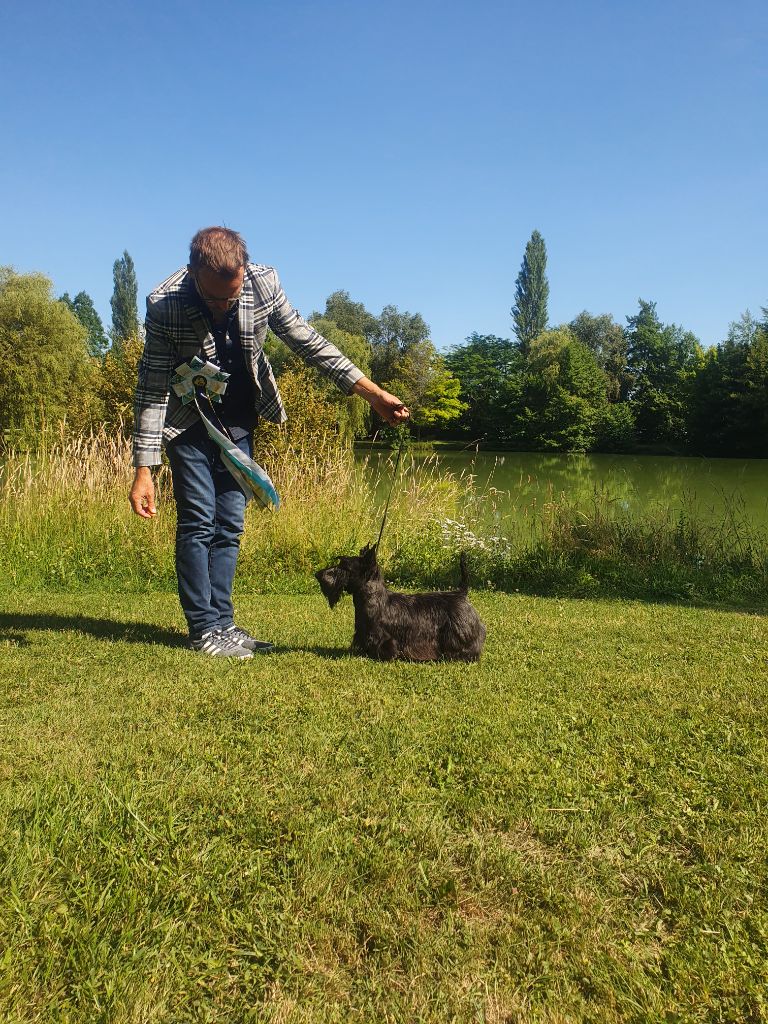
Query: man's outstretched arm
[{"x": 316, "y": 350}]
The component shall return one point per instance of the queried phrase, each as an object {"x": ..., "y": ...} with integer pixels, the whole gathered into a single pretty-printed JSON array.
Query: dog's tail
[{"x": 464, "y": 584}]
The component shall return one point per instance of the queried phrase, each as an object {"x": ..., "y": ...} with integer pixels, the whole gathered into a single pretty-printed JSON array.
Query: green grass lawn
[{"x": 574, "y": 830}]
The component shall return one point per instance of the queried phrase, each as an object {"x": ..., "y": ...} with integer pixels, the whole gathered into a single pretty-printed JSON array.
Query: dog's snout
[{"x": 331, "y": 584}]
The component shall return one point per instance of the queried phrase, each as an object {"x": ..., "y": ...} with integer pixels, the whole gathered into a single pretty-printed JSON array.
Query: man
[{"x": 219, "y": 307}]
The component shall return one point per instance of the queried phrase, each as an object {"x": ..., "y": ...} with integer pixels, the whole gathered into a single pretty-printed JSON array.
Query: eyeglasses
[{"x": 216, "y": 300}]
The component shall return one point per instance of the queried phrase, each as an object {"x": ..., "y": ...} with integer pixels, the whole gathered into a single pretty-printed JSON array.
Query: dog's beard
[{"x": 332, "y": 585}]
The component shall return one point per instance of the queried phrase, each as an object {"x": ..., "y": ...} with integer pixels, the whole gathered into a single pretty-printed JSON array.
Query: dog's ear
[{"x": 368, "y": 564}]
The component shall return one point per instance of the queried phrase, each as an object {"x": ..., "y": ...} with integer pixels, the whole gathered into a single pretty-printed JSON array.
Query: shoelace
[
  {"x": 238, "y": 632},
  {"x": 223, "y": 639}
]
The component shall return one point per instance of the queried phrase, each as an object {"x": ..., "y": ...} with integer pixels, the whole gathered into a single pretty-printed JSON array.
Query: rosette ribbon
[{"x": 198, "y": 380}]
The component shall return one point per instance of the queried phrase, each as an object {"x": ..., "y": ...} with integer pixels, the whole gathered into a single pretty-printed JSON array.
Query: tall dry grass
[{"x": 66, "y": 520}]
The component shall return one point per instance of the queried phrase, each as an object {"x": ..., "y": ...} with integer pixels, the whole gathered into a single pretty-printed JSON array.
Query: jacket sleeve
[
  {"x": 313, "y": 348},
  {"x": 152, "y": 390}
]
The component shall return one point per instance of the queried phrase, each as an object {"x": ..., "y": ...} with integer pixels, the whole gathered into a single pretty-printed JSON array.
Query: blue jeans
[{"x": 210, "y": 509}]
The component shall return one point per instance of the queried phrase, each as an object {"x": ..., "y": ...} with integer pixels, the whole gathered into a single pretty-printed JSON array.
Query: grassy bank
[
  {"x": 66, "y": 525},
  {"x": 573, "y": 830}
]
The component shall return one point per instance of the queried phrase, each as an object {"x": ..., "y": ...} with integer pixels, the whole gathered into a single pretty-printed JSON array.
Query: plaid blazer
[{"x": 176, "y": 329}]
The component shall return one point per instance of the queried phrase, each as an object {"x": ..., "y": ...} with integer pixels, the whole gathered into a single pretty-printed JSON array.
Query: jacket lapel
[
  {"x": 198, "y": 319},
  {"x": 245, "y": 323}
]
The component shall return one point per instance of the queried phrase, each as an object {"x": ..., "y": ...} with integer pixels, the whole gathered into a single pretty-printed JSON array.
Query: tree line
[
  {"x": 594, "y": 385},
  {"x": 588, "y": 385}
]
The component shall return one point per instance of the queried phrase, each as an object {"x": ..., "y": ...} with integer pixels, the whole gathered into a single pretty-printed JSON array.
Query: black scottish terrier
[{"x": 411, "y": 627}]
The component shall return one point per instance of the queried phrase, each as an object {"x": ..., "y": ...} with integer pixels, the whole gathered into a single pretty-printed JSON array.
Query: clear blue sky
[{"x": 401, "y": 150}]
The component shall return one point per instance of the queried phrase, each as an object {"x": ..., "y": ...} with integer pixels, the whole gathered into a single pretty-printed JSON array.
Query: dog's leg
[{"x": 386, "y": 648}]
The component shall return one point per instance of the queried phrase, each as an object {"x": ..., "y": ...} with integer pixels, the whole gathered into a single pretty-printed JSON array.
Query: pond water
[{"x": 707, "y": 488}]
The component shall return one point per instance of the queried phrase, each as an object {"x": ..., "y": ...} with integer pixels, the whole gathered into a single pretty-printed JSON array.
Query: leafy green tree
[
  {"x": 46, "y": 374},
  {"x": 125, "y": 311},
  {"x": 389, "y": 335},
  {"x": 755, "y": 407},
  {"x": 715, "y": 400},
  {"x": 85, "y": 311},
  {"x": 718, "y": 405},
  {"x": 394, "y": 336},
  {"x": 662, "y": 363},
  {"x": 351, "y": 317},
  {"x": 743, "y": 332},
  {"x": 615, "y": 428},
  {"x": 563, "y": 395},
  {"x": 427, "y": 387},
  {"x": 729, "y": 414},
  {"x": 352, "y": 413},
  {"x": 486, "y": 367},
  {"x": 311, "y": 431},
  {"x": 603, "y": 336},
  {"x": 529, "y": 312}
]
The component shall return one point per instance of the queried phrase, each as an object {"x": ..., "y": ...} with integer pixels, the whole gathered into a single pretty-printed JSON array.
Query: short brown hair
[{"x": 218, "y": 249}]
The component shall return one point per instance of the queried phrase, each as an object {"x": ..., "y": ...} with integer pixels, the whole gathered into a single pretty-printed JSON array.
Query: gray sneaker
[
  {"x": 220, "y": 643},
  {"x": 245, "y": 639}
]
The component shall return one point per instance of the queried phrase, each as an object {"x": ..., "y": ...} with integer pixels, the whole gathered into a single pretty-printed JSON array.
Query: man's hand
[
  {"x": 142, "y": 493},
  {"x": 387, "y": 406}
]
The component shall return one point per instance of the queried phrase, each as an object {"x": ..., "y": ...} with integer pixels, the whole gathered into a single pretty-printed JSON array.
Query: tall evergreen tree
[
  {"x": 85, "y": 311},
  {"x": 529, "y": 312},
  {"x": 125, "y": 311}
]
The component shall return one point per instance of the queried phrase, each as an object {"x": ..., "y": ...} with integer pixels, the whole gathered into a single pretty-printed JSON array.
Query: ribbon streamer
[{"x": 199, "y": 379}]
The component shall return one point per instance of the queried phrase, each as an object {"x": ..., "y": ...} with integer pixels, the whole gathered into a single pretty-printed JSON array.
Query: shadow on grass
[
  {"x": 11, "y": 625},
  {"x": 14, "y": 626},
  {"x": 330, "y": 653},
  {"x": 749, "y": 604}
]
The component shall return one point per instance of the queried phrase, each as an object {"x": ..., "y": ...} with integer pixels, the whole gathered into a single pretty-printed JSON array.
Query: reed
[{"x": 66, "y": 524}]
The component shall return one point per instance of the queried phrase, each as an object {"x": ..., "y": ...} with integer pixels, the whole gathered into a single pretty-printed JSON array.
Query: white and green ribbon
[
  {"x": 198, "y": 378},
  {"x": 196, "y": 375}
]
